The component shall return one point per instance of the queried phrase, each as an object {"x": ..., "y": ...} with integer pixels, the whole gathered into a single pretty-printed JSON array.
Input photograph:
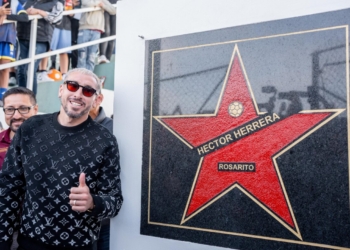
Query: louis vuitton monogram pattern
[{"x": 43, "y": 162}]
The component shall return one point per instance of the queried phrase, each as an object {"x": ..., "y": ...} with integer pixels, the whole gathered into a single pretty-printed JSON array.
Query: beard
[
  {"x": 73, "y": 114},
  {"x": 15, "y": 128}
]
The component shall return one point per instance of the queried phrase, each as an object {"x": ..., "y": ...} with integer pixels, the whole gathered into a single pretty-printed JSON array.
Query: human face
[
  {"x": 76, "y": 105},
  {"x": 16, "y": 101}
]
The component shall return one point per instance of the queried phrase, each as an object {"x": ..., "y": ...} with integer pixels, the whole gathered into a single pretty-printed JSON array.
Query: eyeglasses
[
  {"x": 73, "y": 86},
  {"x": 21, "y": 110}
]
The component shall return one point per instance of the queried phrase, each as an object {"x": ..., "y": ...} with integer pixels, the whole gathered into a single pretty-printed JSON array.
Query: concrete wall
[{"x": 152, "y": 19}]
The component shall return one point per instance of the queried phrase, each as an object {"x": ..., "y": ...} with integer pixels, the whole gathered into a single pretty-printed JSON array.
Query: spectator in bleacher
[
  {"x": 51, "y": 11},
  {"x": 74, "y": 30},
  {"x": 61, "y": 38},
  {"x": 8, "y": 38},
  {"x": 91, "y": 25},
  {"x": 106, "y": 48}
]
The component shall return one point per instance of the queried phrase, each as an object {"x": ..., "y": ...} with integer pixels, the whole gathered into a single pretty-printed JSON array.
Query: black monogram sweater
[{"x": 42, "y": 164}]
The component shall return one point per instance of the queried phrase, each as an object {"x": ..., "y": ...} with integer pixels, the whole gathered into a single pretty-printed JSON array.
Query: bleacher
[{"x": 47, "y": 92}]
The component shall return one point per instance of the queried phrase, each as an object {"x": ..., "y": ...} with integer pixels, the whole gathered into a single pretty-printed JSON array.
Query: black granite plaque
[{"x": 246, "y": 135}]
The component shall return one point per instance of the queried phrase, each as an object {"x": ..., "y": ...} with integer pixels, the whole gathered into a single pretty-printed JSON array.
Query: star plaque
[{"x": 246, "y": 139}]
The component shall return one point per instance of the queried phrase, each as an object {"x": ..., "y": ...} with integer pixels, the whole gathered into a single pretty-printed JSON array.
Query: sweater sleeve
[
  {"x": 22, "y": 17},
  {"x": 12, "y": 186},
  {"x": 107, "y": 6},
  {"x": 89, "y": 3},
  {"x": 107, "y": 196}
]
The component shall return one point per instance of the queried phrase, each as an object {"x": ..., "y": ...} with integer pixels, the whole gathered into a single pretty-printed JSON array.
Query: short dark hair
[{"x": 22, "y": 91}]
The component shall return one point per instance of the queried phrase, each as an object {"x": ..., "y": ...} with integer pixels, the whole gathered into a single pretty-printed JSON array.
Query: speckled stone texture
[{"x": 292, "y": 70}]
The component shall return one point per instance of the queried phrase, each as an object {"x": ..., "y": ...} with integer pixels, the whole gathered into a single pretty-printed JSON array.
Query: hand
[
  {"x": 80, "y": 197},
  {"x": 5, "y": 11},
  {"x": 100, "y": 4},
  {"x": 33, "y": 11},
  {"x": 76, "y": 2}
]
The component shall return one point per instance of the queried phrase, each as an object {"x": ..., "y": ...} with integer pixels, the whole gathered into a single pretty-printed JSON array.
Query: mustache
[{"x": 16, "y": 120}]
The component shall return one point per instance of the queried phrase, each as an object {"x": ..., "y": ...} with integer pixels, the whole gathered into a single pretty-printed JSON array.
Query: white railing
[{"x": 32, "y": 43}]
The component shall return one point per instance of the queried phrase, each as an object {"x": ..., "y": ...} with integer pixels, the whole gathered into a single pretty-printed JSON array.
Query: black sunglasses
[{"x": 73, "y": 86}]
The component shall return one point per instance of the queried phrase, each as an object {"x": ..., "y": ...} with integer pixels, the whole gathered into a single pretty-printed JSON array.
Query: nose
[
  {"x": 17, "y": 114},
  {"x": 79, "y": 92}
]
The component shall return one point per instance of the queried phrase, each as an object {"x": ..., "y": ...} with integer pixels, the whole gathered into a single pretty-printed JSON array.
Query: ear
[
  {"x": 101, "y": 95},
  {"x": 36, "y": 109},
  {"x": 97, "y": 101}
]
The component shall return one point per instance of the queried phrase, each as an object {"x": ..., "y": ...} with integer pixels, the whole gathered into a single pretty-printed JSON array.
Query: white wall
[{"x": 162, "y": 18}]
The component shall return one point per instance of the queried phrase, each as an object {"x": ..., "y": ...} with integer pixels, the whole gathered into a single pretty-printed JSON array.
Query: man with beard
[
  {"x": 61, "y": 174},
  {"x": 19, "y": 105}
]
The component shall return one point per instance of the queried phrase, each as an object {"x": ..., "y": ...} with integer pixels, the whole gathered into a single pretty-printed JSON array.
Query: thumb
[{"x": 82, "y": 180}]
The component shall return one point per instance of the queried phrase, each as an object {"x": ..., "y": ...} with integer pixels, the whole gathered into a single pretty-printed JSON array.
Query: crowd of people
[
  {"x": 59, "y": 173},
  {"x": 54, "y": 31}
]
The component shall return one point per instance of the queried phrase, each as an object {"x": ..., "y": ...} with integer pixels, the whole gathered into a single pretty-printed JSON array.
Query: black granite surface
[{"x": 292, "y": 65}]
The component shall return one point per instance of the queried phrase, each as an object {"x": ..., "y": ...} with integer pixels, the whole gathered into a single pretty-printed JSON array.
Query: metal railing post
[
  {"x": 31, "y": 54},
  {"x": 32, "y": 57}
]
